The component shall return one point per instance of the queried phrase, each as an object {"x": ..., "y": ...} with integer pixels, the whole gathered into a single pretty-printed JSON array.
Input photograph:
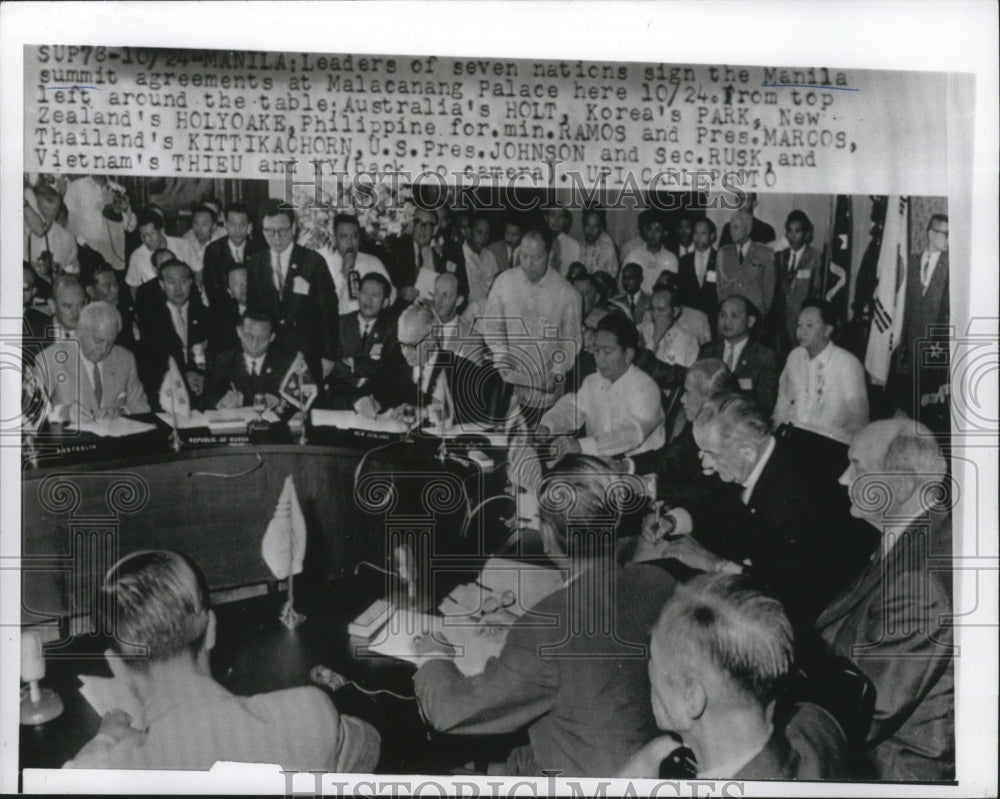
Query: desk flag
[
  {"x": 284, "y": 547},
  {"x": 174, "y": 397},
  {"x": 298, "y": 386}
]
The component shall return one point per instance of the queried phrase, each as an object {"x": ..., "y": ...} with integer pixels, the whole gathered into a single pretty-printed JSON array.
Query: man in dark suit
[
  {"x": 766, "y": 510},
  {"x": 753, "y": 365},
  {"x": 895, "y": 619},
  {"x": 367, "y": 340},
  {"x": 256, "y": 366},
  {"x": 799, "y": 276},
  {"x": 176, "y": 326},
  {"x": 413, "y": 253},
  {"x": 436, "y": 382},
  {"x": 505, "y": 249},
  {"x": 292, "y": 285},
  {"x": 719, "y": 656},
  {"x": 633, "y": 299},
  {"x": 746, "y": 267},
  {"x": 221, "y": 254},
  {"x": 760, "y": 231},
  {"x": 920, "y": 366},
  {"x": 227, "y": 312},
  {"x": 696, "y": 276}
]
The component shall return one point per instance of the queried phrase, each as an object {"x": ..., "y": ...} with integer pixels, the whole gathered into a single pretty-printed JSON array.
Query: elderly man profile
[
  {"x": 718, "y": 656},
  {"x": 437, "y": 384},
  {"x": 895, "y": 617},
  {"x": 92, "y": 378},
  {"x": 768, "y": 514},
  {"x": 580, "y": 688},
  {"x": 157, "y": 605},
  {"x": 620, "y": 405}
]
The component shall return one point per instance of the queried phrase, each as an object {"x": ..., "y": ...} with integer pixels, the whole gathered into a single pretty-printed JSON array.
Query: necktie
[
  {"x": 180, "y": 325},
  {"x": 739, "y": 252},
  {"x": 276, "y": 267},
  {"x": 925, "y": 270},
  {"x": 791, "y": 267},
  {"x": 420, "y": 258},
  {"x": 730, "y": 351},
  {"x": 631, "y": 305},
  {"x": 98, "y": 387},
  {"x": 366, "y": 329},
  {"x": 256, "y": 367}
]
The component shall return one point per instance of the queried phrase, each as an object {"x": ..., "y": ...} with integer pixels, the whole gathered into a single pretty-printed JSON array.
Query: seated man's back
[{"x": 298, "y": 728}]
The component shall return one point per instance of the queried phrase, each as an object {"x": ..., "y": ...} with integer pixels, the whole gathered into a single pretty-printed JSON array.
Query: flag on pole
[
  {"x": 836, "y": 280},
  {"x": 298, "y": 386},
  {"x": 284, "y": 544},
  {"x": 890, "y": 291},
  {"x": 174, "y": 397}
]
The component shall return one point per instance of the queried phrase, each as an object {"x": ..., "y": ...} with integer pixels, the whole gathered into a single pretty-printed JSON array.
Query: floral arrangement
[{"x": 384, "y": 212}]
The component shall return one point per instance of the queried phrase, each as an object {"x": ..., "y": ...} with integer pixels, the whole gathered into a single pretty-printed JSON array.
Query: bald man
[{"x": 91, "y": 377}]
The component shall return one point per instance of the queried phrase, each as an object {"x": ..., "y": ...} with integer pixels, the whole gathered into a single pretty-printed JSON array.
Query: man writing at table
[
  {"x": 619, "y": 405},
  {"x": 92, "y": 377},
  {"x": 257, "y": 366},
  {"x": 156, "y": 604},
  {"x": 437, "y": 383}
]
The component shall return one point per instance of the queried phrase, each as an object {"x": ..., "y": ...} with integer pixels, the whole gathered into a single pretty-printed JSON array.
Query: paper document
[
  {"x": 114, "y": 428},
  {"x": 196, "y": 419},
  {"x": 349, "y": 420},
  {"x": 109, "y": 693}
]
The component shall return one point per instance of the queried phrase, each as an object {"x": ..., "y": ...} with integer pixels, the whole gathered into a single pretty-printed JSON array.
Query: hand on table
[
  {"x": 231, "y": 399},
  {"x": 431, "y": 645},
  {"x": 367, "y": 406}
]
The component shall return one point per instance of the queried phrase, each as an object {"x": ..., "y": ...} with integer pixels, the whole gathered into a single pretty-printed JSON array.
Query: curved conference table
[{"x": 89, "y": 504}]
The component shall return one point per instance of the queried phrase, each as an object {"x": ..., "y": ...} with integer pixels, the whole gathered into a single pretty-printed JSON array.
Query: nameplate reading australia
[{"x": 566, "y": 123}]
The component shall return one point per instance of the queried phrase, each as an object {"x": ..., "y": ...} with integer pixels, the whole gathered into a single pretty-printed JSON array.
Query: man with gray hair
[
  {"x": 894, "y": 618},
  {"x": 766, "y": 515},
  {"x": 438, "y": 384},
  {"x": 718, "y": 656},
  {"x": 91, "y": 377}
]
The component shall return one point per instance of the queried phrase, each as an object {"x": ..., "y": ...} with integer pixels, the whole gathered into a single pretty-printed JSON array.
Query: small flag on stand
[
  {"x": 173, "y": 392},
  {"x": 298, "y": 386},
  {"x": 284, "y": 547}
]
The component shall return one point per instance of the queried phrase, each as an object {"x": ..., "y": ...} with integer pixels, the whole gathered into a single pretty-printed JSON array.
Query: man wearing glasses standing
[
  {"x": 292, "y": 285},
  {"x": 920, "y": 375}
]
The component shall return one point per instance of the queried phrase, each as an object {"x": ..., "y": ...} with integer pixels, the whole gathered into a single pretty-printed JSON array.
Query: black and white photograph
[{"x": 533, "y": 399}]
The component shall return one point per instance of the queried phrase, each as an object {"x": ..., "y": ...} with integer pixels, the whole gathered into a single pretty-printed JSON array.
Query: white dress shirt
[
  {"x": 621, "y": 418},
  {"x": 678, "y": 346},
  {"x": 652, "y": 263},
  {"x": 480, "y": 269},
  {"x": 751, "y": 482},
  {"x": 825, "y": 394},
  {"x": 140, "y": 263}
]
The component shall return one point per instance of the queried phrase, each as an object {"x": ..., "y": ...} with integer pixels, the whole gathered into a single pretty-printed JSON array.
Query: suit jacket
[
  {"x": 343, "y": 381},
  {"x": 218, "y": 260},
  {"x": 584, "y": 698},
  {"x": 66, "y": 381},
  {"x": 306, "y": 310},
  {"x": 790, "y": 292},
  {"x": 704, "y": 297},
  {"x": 757, "y": 364},
  {"x": 787, "y": 529},
  {"x": 478, "y": 393},
  {"x": 754, "y": 278},
  {"x": 499, "y": 250},
  {"x": 159, "y": 342},
  {"x": 677, "y": 466},
  {"x": 36, "y": 335},
  {"x": 642, "y": 305},
  {"x": 402, "y": 262},
  {"x": 892, "y": 620},
  {"x": 225, "y": 319},
  {"x": 760, "y": 231},
  {"x": 810, "y": 747},
  {"x": 229, "y": 370}
]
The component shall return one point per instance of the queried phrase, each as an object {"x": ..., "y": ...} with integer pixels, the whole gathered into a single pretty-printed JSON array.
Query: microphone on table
[{"x": 38, "y": 705}]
